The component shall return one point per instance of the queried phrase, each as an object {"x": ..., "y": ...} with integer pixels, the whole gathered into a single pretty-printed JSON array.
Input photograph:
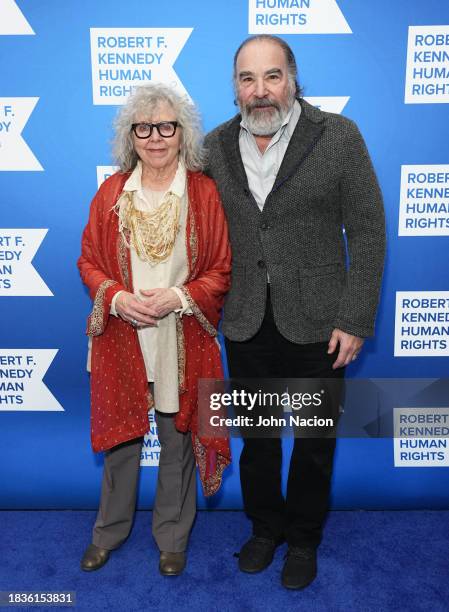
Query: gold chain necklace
[{"x": 153, "y": 234}]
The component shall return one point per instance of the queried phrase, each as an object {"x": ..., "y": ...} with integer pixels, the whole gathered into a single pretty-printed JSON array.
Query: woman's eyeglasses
[{"x": 166, "y": 129}]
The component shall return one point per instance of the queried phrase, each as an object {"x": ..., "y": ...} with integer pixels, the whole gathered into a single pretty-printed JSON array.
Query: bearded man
[{"x": 294, "y": 182}]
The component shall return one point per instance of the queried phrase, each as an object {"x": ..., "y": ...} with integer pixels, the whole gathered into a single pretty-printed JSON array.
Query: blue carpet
[{"x": 368, "y": 561}]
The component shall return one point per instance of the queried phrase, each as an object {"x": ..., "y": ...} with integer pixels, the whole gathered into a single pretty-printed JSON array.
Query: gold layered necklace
[{"x": 153, "y": 234}]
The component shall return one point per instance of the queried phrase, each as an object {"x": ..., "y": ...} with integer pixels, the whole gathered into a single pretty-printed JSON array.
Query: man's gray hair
[
  {"x": 289, "y": 56},
  {"x": 143, "y": 102}
]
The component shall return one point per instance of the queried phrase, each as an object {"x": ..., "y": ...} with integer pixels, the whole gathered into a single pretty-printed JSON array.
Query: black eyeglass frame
[{"x": 175, "y": 125}]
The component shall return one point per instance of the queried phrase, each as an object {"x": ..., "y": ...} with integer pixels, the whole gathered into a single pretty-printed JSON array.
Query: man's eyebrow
[
  {"x": 273, "y": 71},
  {"x": 245, "y": 73}
]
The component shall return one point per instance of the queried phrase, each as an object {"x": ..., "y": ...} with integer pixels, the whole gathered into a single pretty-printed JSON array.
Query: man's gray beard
[{"x": 262, "y": 123}]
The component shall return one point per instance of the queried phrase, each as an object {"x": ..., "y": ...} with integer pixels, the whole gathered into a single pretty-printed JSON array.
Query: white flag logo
[
  {"x": 151, "y": 446},
  {"x": 296, "y": 17},
  {"x": 421, "y": 328},
  {"x": 15, "y": 154},
  {"x": 124, "y": 58},
  {"x": 104, "y": 172},
  {"x": 427, "y": 76},
  {"x": 21, "y": 384},
  {"x": 329, "y": 104},
  {"x": 424, "y": 200},
  {"x": 12, "y": 20},
  {"x": 18, "y": 277}
]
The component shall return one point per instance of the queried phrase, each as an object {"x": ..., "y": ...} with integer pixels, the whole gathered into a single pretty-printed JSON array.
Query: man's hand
[
  {"x": 161, "y": 301},
  {"x": 350, "y": 347}
]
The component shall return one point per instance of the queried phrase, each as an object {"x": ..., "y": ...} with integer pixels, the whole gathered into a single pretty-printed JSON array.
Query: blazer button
[
  {"x": 264, "y": 226},
  {"x": 261, "y": 263},
  {"x": 246, "y": 192}
]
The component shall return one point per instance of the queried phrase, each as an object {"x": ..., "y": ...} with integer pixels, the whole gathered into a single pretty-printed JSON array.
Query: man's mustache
[{"x": 262, "y": 103}]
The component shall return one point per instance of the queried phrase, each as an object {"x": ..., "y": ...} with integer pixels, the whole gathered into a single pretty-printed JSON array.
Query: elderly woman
[{"x": 156, "y": 259}]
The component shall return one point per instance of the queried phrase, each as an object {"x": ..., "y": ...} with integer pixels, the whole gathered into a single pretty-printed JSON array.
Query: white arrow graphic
[
  {"x": 15, "y": 154},
  {"x": 104, "y": 172},
  {"x": 124, "y": 58},
  {"x": 12, "y": 20},
  {"x": 151, "y": 446},
  {"x": 21, "y": 385},
  {"x": 296, "y": 17},
  {"x": 18, "y": 277},
  {"x": 330, "y": 104}
]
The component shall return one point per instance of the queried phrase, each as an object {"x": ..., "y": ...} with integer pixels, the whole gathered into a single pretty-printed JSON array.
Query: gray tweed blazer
[{"x": 320, "y": 277}]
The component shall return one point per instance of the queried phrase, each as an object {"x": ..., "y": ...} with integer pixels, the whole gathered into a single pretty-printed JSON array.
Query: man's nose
[{"x": 260, "y": 89}]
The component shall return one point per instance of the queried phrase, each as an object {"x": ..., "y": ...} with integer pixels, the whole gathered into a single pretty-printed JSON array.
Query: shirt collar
[{"x": 178, "y": 185}]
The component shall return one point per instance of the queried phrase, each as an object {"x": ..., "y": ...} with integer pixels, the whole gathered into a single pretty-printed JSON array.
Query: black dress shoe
[
  {"x": 256, "y": 554},
  {"x": 300, "y": 568},
  {"x": 172, "y": 564},
  {"x": 94, "y": 558}
]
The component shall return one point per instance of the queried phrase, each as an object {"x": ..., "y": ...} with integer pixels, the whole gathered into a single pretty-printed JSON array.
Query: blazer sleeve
[{"x": 364, "y": 223}]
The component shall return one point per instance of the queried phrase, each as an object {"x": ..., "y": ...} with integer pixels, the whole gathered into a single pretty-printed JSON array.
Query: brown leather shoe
[
  {"x": 172, "y": 564},
  {"x": 94, "y": 558}
]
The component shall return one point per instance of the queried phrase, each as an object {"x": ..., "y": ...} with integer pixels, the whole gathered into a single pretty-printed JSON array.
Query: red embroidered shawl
[{"x": 119, "y": 389}]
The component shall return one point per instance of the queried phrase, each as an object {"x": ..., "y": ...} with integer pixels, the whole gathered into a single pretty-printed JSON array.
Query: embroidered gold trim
[
  {"x": 123, "y": 259},
  {"x": 193, "y": 238},
  {"x": 210, "y": 486},
  {"x": 214, "y": 482},
  {"x": 95, "y": 323},
  {"x": 198, "y": 314},
  {"x": 181, "y": 355}
]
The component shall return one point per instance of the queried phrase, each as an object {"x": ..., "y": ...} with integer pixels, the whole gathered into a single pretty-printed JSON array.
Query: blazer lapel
[
  {"x": 230, "y": 141},
  {"x": 307, "y": 132}
]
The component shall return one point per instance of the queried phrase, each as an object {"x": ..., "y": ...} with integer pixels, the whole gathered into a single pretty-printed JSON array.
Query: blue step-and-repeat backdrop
[{"x": 65, "y": 67}]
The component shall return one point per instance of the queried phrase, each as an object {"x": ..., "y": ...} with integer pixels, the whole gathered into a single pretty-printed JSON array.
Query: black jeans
[{"x": 299, "y": 518}]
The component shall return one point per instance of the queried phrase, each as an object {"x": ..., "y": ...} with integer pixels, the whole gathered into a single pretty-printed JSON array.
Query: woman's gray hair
[{"x": 142, "y": 103}]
